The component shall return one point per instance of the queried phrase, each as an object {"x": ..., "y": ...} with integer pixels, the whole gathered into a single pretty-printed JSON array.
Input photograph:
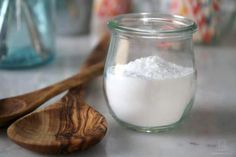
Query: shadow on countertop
[{"x": 207, "y": 123}]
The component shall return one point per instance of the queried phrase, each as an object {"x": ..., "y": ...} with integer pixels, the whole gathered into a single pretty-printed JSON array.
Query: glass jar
[
  {"x": 150, "y": 76},
  {"x": 26, "y": 33},
  {"x": 213, "y": 17},
  {"x": 73, "y": 16}
]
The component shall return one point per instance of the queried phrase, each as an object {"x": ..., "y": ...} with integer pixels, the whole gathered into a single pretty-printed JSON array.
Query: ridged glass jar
[{"x": 150, "y": 76}]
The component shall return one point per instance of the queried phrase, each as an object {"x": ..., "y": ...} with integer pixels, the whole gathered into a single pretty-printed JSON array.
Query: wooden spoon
[
  {"x": 66, "y": 126},
  {"x": 15, "y": 107}
]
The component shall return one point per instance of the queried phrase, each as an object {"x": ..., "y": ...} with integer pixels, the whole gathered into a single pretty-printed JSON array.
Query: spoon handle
[
  {"x": 96, "y": 59},
  {"x": 97, "y": 55},
  {"x": 55, "y": 89},
  {"x": 92, "y": 67}
]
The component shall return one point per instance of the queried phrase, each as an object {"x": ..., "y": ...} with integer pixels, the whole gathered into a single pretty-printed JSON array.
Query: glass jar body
[
  {"x": 27, "y": 36},
  {"x": 149, "y": 81}
]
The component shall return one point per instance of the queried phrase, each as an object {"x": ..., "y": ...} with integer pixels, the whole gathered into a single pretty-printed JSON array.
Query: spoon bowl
[
  {"x": 6, "y": 111},
  {"x": 66, "y": 126}
]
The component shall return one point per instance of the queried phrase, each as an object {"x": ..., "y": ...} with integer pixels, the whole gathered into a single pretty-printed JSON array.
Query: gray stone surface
[{"x": 210, "y": 129}]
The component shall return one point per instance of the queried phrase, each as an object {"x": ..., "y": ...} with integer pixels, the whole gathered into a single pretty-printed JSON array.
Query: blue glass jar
[{"x": 26, "y": 33}]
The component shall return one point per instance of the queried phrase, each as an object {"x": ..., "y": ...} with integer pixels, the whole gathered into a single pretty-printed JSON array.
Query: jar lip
[{"x": 174, "y": 24}]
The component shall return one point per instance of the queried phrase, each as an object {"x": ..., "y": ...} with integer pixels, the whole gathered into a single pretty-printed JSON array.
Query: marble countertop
[{"x": 210, "y": 129}]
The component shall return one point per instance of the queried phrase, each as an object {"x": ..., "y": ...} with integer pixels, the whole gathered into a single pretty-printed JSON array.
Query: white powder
[{"x": 149, "y": 91}]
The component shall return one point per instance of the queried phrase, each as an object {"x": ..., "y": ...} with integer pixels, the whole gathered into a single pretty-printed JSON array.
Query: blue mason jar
[{"x": 26, "y": 33}]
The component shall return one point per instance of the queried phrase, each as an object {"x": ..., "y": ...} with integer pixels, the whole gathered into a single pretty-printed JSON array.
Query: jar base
[
  {"x": 156, "y": 129},
  {"x": 24, "y": 58}
]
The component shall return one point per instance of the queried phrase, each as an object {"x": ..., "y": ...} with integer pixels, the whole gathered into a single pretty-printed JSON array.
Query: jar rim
[{"x": 169, "y": 24}]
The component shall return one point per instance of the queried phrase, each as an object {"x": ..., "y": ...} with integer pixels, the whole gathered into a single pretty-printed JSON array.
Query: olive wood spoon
[
  {"x": 65, "y": 126},
  {"x": 15, "y": 107}
]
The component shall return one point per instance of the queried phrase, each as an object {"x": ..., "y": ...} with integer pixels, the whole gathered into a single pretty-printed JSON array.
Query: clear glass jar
[
  {"x": 26, "y": 33},
  {"x": 150, "y": 76}
]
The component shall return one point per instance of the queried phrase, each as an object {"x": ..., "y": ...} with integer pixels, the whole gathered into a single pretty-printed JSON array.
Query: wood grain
[{"x": 71, "y": 125}]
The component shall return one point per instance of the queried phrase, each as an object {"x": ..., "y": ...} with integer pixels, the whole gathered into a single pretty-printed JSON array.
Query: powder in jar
[{"x": 149, "y": 91}]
